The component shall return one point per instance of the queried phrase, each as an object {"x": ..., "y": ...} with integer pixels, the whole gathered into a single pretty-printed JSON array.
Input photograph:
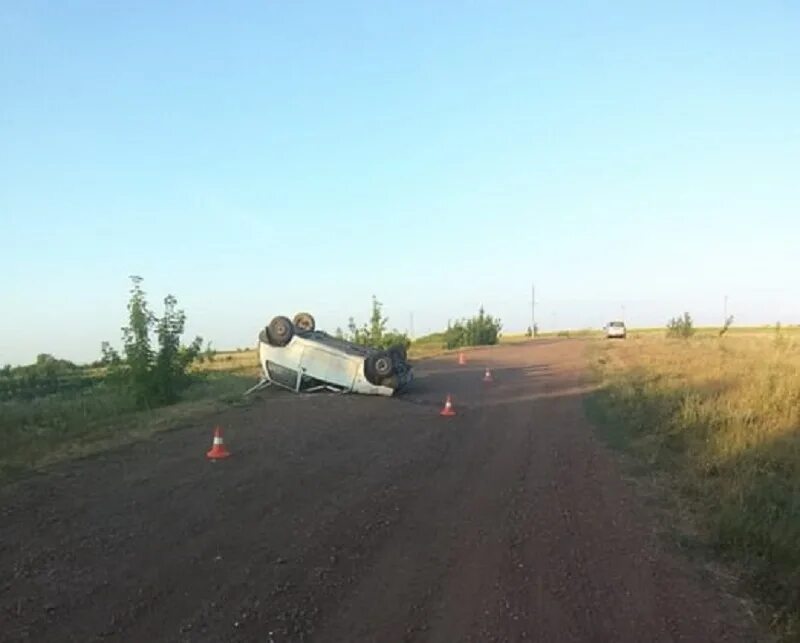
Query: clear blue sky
[{"x": 269, "y": 157}]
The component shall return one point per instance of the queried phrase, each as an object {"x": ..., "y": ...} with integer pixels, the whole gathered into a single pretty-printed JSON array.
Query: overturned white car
[{"x": 296, "y": 356}]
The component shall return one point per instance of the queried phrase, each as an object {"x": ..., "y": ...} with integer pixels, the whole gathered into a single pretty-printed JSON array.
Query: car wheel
[
  {"x": 378, "y": 366},
  {"x": 304, "y": 323},
  {"x": 280, "y": 331}
]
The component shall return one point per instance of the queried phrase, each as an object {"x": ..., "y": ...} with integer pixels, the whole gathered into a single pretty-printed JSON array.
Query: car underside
[{"x": 296, "y": 356}]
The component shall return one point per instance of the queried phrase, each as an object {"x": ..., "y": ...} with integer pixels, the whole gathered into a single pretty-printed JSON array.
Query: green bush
[
  {"x": 481, "y": 330},
  {"x": 153, "y": 377},
  {"x": 375, "y": 333},
  {"x": 680, "y": 327}
]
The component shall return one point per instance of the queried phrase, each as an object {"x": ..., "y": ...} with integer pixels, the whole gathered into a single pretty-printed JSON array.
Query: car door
[{"x": 328, "y": 365}]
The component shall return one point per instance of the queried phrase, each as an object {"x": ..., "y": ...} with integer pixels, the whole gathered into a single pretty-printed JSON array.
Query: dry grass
[
  {"x": 722, "y": 416},
  {"x": 244, "y": 362}
]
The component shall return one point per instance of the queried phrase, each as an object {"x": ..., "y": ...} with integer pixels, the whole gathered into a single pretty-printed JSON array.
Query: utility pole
[
  {"x": 533, "y": 310},
  {"x": 725, "y": 309}
]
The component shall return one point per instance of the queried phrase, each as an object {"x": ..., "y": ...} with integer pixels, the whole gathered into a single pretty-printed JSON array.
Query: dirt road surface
[{"x": 343, "y": 518}]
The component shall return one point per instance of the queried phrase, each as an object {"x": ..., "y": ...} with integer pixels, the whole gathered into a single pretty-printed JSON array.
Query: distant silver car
[
  {"x": 296, "y": 356},
  {"x": 615, "y": 330}
]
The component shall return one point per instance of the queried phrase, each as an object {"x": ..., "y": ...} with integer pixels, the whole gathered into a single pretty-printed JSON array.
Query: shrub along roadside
[{"x": 480, "y": 330}]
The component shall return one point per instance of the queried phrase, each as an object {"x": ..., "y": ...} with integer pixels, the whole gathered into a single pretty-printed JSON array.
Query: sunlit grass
[
  {"x": 243, "y": 362},
  {"x": 723, "y": 416}
]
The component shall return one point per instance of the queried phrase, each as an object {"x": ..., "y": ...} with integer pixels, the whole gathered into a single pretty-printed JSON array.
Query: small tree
[
  {"x": 169, "y": 374},
  {"x": 153, "y": 377},
  {"x": 726, "y": 325},
  {"x": 377, "y": 323},
  {"x": 681, "y": 327},
  {"x": 375, "y": 334}
]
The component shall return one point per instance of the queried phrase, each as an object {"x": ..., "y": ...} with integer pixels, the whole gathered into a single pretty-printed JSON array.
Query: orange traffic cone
[
  {"x": 461, "y": 359},
  {"x": 487, "y": 376},
  {"x": 218, "y": 448},
  {"x": 448, "y": 409}
]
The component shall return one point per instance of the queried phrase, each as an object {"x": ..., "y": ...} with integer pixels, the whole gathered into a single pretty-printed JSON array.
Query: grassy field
[
  {"x": 240, "y": 362},
  {"x": 37, "y": 432},
  {"x": 719, "y": 420}
]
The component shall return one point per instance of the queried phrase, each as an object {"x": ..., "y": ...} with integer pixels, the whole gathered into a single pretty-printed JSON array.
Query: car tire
[
  {"x": 378, "y": 366},
  {"x": 304, "y": 323},
  {"x": 280, "y": 331}
]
